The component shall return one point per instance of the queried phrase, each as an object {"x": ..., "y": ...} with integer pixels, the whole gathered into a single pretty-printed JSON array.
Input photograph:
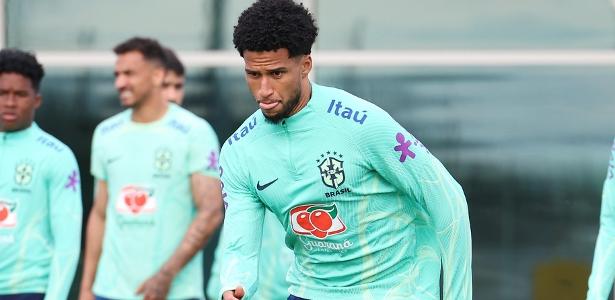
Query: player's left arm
[
  {"x": 603, "y": 267},
  {"x": 65, "y": 214},
  {"x": 207, "y": 196},
  {"x": 404, "y": 162}
]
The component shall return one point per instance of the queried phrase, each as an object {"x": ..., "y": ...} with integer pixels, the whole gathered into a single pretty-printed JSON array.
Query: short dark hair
[
  {"x": 148, "y": 47},
  {"x": 23, "y": 63},
  {"x": 269, "y": 25},
  {"x": 172, "y": 62}
]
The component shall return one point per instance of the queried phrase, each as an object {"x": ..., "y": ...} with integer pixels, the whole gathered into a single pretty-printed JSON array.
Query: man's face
[
  {"x": 275, "y": 80},
  {"x": 136, "y": 79},
  {"x": 173, "y": 87},
  {"x": 18, "y": 101}
]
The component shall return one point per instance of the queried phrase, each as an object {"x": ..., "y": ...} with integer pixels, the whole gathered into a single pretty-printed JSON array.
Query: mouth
[
  {"x": 268, "y": 105},
  {"x": 125, "y": 94},
  {"x": 8, "y": 117}
]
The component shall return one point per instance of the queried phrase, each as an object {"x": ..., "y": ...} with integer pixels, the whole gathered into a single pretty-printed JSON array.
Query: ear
[
  {"x": 158, "y": 76},
  {"x": 306, "y": 66},
  {"x": 38, "y": 100}
]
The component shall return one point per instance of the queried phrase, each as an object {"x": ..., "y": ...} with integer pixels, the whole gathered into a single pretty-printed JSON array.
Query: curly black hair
[
  {"x": 23, "y": 63},
  {"x": 149, "y": 48},
  {"x": 172, "y": 62},
  {"x": 269, "y": 25}
]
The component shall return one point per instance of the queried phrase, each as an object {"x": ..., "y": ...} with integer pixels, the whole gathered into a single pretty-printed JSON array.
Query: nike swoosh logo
[
  {"x": 264, "y": 186},
  {"x": 112, "y": 160}
]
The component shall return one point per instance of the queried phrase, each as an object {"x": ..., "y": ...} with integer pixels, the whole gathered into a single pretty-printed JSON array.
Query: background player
[
  {"x": 157, "y": 194},
  {"x": 40, "y": 192}
]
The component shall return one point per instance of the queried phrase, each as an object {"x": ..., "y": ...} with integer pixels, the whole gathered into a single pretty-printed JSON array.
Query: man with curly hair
[
  {"x": 40, "y": 193},
  {"x": 369, "y": 212},
  {"x": 157, "y": 189}
]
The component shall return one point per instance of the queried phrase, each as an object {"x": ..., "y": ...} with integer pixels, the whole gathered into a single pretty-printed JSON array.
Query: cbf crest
[
  {"x": 163, "y": 159},
  {"x": 331, "y": 168},
  {"x": 23, "y": 173}
]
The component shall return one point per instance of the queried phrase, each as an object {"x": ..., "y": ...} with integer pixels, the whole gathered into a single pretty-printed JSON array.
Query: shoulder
[
  {"x": 185, "y": 122},
  {"x": 54, "y": 148},
  {"x": 346, "y": 109},
  {"x": 113, "y": 123},
  {"x": 249, "y": 130}
]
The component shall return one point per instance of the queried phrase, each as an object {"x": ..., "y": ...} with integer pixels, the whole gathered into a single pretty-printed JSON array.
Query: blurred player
[
  {"x": 157, "y": 195},
  {"x": 40, "y": 192},
  {"x": 174, "y": 79},
  {"x": 369, "y": 212}
]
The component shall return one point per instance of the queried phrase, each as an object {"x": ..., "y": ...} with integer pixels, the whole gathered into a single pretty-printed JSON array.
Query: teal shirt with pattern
[
  {"x": 368, "y": 211},
  {"x": 147, "y": 167},
  {"x": 40, "y": 214},
  {"x": 275, "y": 260},
  {"x": 603, "y": 268}
]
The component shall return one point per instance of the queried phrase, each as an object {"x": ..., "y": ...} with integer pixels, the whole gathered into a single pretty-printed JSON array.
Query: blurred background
[{"x": 517, "y": 98}]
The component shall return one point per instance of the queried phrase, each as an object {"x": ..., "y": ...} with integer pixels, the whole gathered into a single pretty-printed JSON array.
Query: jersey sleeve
[
  {"x": 204, "y": 151},
  {"x": 242, "y": 229},
  {"x": 404, "y": 162},
  {"x": 97, "y": 166},
  {"x": 603, "y": 267},
  {"x": 65, "y": 214}
]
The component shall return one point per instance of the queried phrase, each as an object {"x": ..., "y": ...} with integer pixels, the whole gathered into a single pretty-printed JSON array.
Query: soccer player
[
  {"x": 174, "y": 78},
  {"x": 603, "y": 268},
  {"x": 369, "y": 212},
  {"x": 40, "y": 192},
  {"x": 157, "y": 193}
]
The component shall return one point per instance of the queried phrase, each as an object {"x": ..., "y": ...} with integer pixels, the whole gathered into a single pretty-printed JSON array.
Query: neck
[
  {"x": 151, "y": 110},
  {"x": 306, "y": 95}
]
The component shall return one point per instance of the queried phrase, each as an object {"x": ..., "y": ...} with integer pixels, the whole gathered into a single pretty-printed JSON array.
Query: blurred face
[
  {"x": 173, "y": 87},
  {"x": 278, "y": 83},
  {"x": 136, "y": 79},
  {"x": 18, "y": 101}
]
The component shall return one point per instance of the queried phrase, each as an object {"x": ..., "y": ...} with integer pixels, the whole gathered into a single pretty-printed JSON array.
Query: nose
[
  {"x": 8, "y": 100},
  {"x": 120, "y": 82},
  {"x": 266, "y": 89}
]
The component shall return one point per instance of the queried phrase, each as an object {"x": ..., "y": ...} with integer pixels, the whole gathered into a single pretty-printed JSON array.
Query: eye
[{"x": 277, "y": 74}]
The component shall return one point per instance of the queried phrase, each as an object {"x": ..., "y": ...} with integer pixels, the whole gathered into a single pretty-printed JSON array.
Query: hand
[
  {"x": 86, "y": 294},
  {"x": 156, "y": 287},
  {"x": 235, "y": 294}
]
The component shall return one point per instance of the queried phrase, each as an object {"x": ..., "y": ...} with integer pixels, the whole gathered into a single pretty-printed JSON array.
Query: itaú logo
[{"x": 319, "y": 220}]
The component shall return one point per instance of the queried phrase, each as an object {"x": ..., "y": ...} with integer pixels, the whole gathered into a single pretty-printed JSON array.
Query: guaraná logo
[
  {"x": 8, "y": 215},
  {"x": 319, "y": 220},
  {"x": 135, "y": 200}
]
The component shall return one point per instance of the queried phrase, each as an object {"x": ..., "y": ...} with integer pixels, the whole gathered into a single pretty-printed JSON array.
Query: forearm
[
  {"x": 201, "y": 229},
  {"x": 603, "y": 267},
  {"x": 65, "y": 256},
  {"x": 452, "y": 225},
  {"x": 63, "y": 267},
  {"x": 93, "y": 249}
]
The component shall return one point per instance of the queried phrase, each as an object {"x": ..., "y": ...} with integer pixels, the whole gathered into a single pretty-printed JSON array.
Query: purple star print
[
  {"x": 403, "y": 147},
  {"x": 213, "y": 160},
  {"x": 73, "y": 180}
]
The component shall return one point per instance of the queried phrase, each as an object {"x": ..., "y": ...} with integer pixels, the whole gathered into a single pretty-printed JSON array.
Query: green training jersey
[
  {"x": 603, "y": 268},
  {"x": 275, "y": 259},
  {"x": 40, "y": 214},
  {"x": 147, "y": 167},
  {"x": 369, "y": 212}
]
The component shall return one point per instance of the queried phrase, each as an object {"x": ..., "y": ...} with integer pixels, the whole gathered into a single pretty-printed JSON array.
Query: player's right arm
[
  {"x": 96, "y": 221},
  {"x": 94, "y": 237},
  {"x": 241, "y": 233},
  {"x": 603, "y": 268}
]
